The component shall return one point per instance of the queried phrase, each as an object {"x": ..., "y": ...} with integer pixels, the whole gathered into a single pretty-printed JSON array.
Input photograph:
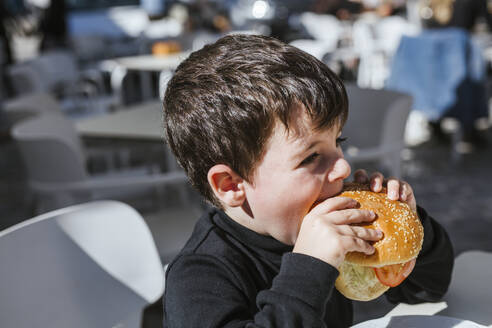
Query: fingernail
[
  {"x": 393, "y": 194},
  {"x": 374, "y": 184},
  {"x": 353, "y": 202}
]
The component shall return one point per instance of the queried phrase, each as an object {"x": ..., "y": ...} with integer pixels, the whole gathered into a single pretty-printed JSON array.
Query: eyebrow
[{"x": 304, "y": 150}]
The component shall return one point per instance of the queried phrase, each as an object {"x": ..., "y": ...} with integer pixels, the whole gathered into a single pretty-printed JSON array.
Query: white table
[
  {"x": 155, "y": 63},
  {"x": 138, "y": 122},
  {"x": 144, "y": 64},
  {"x": 132, "y": 125},
  {"x": 424, "y": 321}
]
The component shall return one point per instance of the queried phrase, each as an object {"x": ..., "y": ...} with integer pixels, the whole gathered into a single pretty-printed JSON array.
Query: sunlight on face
[{"x": 300, "y": 167}]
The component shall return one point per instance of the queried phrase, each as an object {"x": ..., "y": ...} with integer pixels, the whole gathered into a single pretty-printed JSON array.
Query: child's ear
[{"x": 227, "y": 185}]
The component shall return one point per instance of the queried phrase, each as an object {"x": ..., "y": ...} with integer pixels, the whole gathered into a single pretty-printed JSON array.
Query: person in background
[
  {"x": 256, "y": 125},
  {"x": 155, "y": 9},
  {"x": 385, "y": 8},
  {"x": 349, "y": 9},
  {"x": 207, "y": 15},
  {"x": 53, "y": 26},
  {"x": 471, "y": 95},
  {"x": 454, "y": 13},
  {"x": 342, "y": 9},
  {"x": 6, "y": 57}
]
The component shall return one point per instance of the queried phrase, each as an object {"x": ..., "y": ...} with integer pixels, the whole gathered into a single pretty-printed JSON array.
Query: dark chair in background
[
  {"x": 57, "y": 175},
  {"x": 376, "y": 126}
]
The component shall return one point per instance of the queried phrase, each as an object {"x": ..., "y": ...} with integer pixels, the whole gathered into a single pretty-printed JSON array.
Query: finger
[
  {"x": 361, "y": 232},
  {"x": 334, "y": 204},
  {"x": 409, "y": 269},
  {"x": 393, "y": 188},
  {"x": 354, "y": 244},
  {"x": 406, "y": 195},
  {"x": 352, "y": 216},
  {"x": 376, "y": 181},
  {"x": 406, "y": 191},
  {"x": 361, "y": 176}
]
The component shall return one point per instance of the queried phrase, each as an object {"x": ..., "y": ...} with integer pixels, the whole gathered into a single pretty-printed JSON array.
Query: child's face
[{"x": 299, "y": 169}]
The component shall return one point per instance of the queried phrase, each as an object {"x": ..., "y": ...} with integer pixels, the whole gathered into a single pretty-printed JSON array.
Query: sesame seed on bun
[{"x": 402, "y": 242}]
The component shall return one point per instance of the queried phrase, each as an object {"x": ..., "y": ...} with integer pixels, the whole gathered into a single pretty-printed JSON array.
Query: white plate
[{"x": 418, "y": 321}]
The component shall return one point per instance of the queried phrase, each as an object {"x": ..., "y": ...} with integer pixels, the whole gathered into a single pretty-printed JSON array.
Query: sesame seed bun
[{"x": 402, "y": 241}]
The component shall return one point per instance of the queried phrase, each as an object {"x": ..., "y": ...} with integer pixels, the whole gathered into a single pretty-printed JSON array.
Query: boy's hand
[
  {"x": 397, "y": 189},
  {"x": 327, "y": 232}
]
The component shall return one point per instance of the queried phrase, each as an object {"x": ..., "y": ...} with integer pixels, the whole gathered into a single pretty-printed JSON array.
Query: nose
[{"x": 340, "y": 170}]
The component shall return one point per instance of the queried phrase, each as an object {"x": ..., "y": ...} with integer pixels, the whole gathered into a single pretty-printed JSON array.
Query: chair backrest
[
  {"x": 58, "y": 67},
  {"x": 317, "y": 26},
  {"x": 90, "y": 47},
  {"x": 376, "y": 117},
  {"x": 48, "y": 72},
  {"x": 26, "y": 78},
  {"x": 51, "y": 150},
  {"x": 31, "y": 104},
  {"x": 89, "y": 265},
  {"x": 376, "y": 126}
]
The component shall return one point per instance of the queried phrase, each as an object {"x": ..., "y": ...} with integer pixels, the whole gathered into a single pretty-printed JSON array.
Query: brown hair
[{"x": 221, "y": 105}]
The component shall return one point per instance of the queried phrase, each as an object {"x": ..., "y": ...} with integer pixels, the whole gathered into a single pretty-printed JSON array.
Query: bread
[
  {"x": 402, "y": 241},
  {"x": 359, "y": 283}
]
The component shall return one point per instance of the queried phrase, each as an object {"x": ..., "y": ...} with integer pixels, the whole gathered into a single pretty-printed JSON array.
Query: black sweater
[{"x": 229, "y": 276}]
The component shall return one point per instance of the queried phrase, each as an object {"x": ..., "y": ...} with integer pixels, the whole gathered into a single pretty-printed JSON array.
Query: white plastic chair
[
  {"x": 54, "y": 160},
  {"x": 89, "y": 265},
  {"x": 376, "y": 126},
  {"x": 389, "y": 31},
  {"x": 376, "y": 40},
  {"x": 372, "y": 66},
  {"x": 326, "y": 31}
]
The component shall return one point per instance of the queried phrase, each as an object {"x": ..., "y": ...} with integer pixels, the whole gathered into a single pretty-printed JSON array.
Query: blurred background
[{"x": 81, "y": 85}]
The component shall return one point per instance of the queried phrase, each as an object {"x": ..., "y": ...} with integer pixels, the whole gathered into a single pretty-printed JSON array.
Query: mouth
[{"x": 338, "y": 190}]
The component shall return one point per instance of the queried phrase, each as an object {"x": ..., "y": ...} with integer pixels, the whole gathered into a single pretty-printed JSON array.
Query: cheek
[
  {"x": 303, "y": 196},
  {"x": 289, "y": 200}
]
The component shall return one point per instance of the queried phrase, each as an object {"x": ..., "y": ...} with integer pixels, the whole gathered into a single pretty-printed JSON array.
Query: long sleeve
[
  {"x": 431, "y": 276},
  {"x": 204, "y": 291}
]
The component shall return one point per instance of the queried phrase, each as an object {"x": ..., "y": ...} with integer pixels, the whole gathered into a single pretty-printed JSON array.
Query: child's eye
[
  {"x": 341, "y": 140},
  {"x": 310, "y": 159}
]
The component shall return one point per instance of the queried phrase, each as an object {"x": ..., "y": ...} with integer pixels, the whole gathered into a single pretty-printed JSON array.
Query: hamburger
[{"x": 365, "y": 277}]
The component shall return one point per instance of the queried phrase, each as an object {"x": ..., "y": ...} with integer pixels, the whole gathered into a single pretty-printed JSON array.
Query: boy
[{"x": 256, "y": 124}]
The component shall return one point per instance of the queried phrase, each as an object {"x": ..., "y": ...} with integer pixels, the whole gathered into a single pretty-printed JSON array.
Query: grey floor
[{"x": 456, "y": 192}]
